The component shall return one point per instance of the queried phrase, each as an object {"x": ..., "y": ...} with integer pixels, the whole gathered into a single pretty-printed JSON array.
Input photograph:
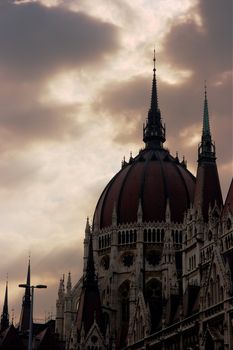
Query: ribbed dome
[{"x": 152, "y": 177}]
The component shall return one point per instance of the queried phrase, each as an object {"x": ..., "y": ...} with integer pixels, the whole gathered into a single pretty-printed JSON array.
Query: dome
[{"x": 152, "y": 178}]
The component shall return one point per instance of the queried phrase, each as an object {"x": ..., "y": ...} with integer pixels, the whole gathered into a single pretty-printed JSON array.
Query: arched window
[
  {"x": 145, "y": 235},
  {"x": 153, "y": 296},
  {"x": 149, "y": 235},
  {"x": 162, "y": 234},
  {"x": 123, "y": 237},
  {"x": 153, "y": 235},
  {"x": 131, "y": 236},
  {"x": 119, "y": 237},
  {"x": 135, "y": 236},
  {"x": 124, "y": 300},
  {"x": 158, "y": 235}
]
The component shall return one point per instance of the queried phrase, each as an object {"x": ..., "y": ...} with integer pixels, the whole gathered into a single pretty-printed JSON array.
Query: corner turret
[{"x": 207, "y": 190}]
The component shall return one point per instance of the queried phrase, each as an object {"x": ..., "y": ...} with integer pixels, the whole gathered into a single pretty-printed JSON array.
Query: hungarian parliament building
[{"x": 158, "y": 255}]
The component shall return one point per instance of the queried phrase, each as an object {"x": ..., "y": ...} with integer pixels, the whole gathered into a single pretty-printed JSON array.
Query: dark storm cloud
[
  {"x": 206, "y": 49},
  {"x": 124, "y": 103},
  {"x": 36, "y": 40},
  {"x": 25, "y": 120}
]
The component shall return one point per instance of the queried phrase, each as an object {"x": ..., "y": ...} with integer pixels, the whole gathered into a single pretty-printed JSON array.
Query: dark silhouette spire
[
  {"x": 206, "y": 150},
  {"x": 25, "y": 311},
  {"x": 89, "y": 310},
  {"x": 207, "y": 190},
  {"x": 5, "y": 314},
  {"x": 90, "y": 277},
  {"x": 154, "y": 131}
]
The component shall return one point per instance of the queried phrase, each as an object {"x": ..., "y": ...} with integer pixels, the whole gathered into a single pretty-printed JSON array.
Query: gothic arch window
[
  {"x": 158, "y": 235},
  {"x": 119, "y": 238},
  {"x": 145, "y": 235},
  {"x": 153, "y": 235},
  {"x": 149, "y": 235},
  {"x": 180, "y": 236},
  {"x": 135, "y": 236},
  {"x": 162, "y": 234},
  {"x": 153, "y": 296},
  {"x": 229, "y": 224},
  {"x": 123, "y": 237},
  {"x": 124, "y": 301},
  {"x": 221, "y": 294},
  {"x": 210, "y": 235},
  {"x": 127, "y": 237},
  {"x": 131, "y": 236}
]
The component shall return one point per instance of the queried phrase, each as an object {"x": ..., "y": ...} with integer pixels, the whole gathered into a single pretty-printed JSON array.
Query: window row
[
  {"x": 104, "y": 241},
  {"x": 206, "y": 254},
  {"x": 127, "y": 237},
  {"x": 192, "y": 262},
  {"x": 153, "y": 235}
]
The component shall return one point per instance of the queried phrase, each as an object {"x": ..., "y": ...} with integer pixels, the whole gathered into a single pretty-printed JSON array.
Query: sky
[{"x": 75, "y": 90}]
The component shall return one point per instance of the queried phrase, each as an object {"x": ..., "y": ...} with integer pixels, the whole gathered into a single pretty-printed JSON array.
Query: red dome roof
[{"x": 153, "y": 176}]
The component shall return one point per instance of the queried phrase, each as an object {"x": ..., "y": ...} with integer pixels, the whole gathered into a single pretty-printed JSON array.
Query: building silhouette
[{"x": 158, "y": 257}]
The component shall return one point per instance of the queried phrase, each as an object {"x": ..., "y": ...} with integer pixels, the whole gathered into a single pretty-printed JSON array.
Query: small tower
[
  {"x": 68, "y": 308},
  {"x": 60, "y": 309},
  {"x": 26, "y": 305},
  {"x": 207, "y": 191},
  {"x": 5, "y": 315},
  {"x": 86, "y": 240}
]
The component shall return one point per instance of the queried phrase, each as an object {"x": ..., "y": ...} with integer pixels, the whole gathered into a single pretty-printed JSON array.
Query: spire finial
[
  {"x": 154, "y": 60},
  {"x": 206, "y": 150},
  {"x": 154, "y": 131}
]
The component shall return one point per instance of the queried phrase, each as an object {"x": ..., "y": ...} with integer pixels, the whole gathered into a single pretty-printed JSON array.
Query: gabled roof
[
  {"x": 10, "y": 340},
  {"x": 47, "y": 340},
  {"x": 228, "y": 205}
]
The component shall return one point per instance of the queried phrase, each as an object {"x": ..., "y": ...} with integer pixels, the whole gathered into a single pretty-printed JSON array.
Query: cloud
[
  {"x": 205, "y": 48},
  {"x": 46, "y": 268},
  {"x": 37, "y": 41}
]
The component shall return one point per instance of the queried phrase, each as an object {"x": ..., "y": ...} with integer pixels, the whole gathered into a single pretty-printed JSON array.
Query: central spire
[
  {"x": 154, "y": 131},
  {"x": 206, "y": 150}
]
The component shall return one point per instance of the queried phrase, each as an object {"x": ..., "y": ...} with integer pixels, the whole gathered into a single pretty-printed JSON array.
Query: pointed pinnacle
[{"x": 206, "y": 124}]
